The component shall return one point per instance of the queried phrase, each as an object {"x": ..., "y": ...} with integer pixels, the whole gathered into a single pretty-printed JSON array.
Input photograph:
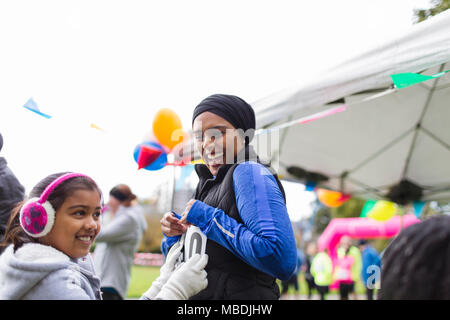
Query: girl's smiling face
[{"x": 77, "y": 223}]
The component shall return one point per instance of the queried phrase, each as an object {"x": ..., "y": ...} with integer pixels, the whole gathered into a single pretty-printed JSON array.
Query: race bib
[{"x": 193, "y": 241}]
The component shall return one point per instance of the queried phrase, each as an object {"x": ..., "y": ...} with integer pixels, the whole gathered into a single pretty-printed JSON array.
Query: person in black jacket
[
  {"x": 239, "y": 204},
  {"x": 11, "y": 193}
]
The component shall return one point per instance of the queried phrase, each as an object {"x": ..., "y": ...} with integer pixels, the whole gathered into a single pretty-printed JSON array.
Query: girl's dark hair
[
  {"x": 416, "y": 264},
  {"x": 14, "y": 233}
]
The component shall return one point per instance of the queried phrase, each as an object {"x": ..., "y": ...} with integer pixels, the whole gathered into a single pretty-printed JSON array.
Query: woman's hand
[
  {"x": 165, "y": 272},
  {"x": 187, "y": 280},
  {"x": 171, "y": 226},
  {"x": 189, "y": 205}
]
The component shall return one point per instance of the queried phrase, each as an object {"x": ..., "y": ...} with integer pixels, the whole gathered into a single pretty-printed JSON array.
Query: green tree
[
  {"x": 437, "y": 6},
  {"x": 151, "y": 241},
  {"x": 321, "y": 220},
  {"x": 349, "y": 209},
  {"x": 323, "y": 216}
]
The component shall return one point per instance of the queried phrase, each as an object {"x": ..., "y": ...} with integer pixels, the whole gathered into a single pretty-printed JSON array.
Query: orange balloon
[
  {"x": 330, "y": 198},
  {"x": 167, "y": 128}
]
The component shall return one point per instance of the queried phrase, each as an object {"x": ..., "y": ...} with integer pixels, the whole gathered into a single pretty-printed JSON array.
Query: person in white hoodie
[{"x": 48, "y": 239}]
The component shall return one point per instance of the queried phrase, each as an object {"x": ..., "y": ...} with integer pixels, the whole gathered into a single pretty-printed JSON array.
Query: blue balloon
[
  {"x": 309, "y": 186},
  {"x": 159, "y": 163}
]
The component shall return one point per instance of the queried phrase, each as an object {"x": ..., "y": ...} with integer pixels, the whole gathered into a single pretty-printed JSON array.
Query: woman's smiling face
[
  {"x": 216, "y": 139},
  {"x": 77, "y": 223}
]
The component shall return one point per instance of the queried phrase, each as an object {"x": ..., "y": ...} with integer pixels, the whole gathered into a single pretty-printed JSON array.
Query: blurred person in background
[
  {"x": 118, "y": 241},
  {"x": 322, "y": 272},
  {"x": 342, "y": 272},
  {"x": 311, "y": 251},
  {"x": 371, "y": 267},
  {"x": 346, "y": 247},
  {"x": 11, "y": 193}
]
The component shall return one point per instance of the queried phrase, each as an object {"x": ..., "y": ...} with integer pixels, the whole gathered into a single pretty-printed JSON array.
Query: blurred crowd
[{"x": 356, "y": 262}]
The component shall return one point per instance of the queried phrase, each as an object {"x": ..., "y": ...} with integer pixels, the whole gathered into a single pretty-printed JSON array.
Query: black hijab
[
  {"x": 233, "y": 109},
  {"x": 242, "y": 116}
]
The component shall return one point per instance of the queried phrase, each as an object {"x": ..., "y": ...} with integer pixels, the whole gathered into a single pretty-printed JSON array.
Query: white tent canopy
[{"x": 376, "y": 142}]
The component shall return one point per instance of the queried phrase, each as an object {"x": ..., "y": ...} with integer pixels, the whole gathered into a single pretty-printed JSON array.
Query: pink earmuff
[{"x": 37, "y": 215}]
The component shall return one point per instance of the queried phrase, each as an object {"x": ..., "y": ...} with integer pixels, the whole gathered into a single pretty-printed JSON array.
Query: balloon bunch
[
  {"x": 332, "y": 199},
  {"x": 168, "y": 137},
  {"x": 379, "y": 210}
]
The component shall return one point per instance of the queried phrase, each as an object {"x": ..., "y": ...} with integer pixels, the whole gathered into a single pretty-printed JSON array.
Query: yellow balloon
[
  {"x": 167, "y": 128},
  {"x": 382, "y": 210}
]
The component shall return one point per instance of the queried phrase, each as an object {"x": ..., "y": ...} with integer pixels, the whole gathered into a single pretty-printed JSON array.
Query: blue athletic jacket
[{"x": 265, "y": 240}]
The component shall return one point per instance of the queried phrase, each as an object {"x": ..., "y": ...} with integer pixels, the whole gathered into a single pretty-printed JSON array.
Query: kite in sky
[
  {"x": 32, "y": 106},
  {"x": 94, "y": 126}
]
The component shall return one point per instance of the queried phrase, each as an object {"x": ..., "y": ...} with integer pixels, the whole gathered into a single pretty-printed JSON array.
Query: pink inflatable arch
[{"x": 360, "y": 228}]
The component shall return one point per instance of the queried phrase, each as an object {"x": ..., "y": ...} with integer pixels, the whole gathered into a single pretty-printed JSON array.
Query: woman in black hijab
[{"x": 239, "y": 205}]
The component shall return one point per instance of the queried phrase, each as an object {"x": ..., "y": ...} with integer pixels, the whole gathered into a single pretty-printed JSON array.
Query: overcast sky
[{"x": 115, "y": 63}]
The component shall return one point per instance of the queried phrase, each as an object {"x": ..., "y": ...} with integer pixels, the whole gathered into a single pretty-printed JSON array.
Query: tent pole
[
  {"x": 419, "y": 123},
  {"x": 380, "y": 151},
  {"x": 432, "y": 136},
  {"x": 174, "y": 182},
  {"x": 370, "y": 189}
]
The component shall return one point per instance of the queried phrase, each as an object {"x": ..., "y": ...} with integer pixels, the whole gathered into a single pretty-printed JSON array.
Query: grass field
[{"x": 142, "y": 278}]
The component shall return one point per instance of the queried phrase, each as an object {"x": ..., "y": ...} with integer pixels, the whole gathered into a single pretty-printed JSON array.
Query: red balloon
[{"x": 147, "y": 155}]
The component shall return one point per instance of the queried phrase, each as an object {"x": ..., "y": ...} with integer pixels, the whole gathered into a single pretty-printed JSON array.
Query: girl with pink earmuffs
[{"x": 48, "y": 239}]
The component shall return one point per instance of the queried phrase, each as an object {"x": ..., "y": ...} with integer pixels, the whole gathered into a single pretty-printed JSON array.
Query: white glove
[
  {"x": 166, "y": 270},
  {"x": 187, "y": 280}
]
